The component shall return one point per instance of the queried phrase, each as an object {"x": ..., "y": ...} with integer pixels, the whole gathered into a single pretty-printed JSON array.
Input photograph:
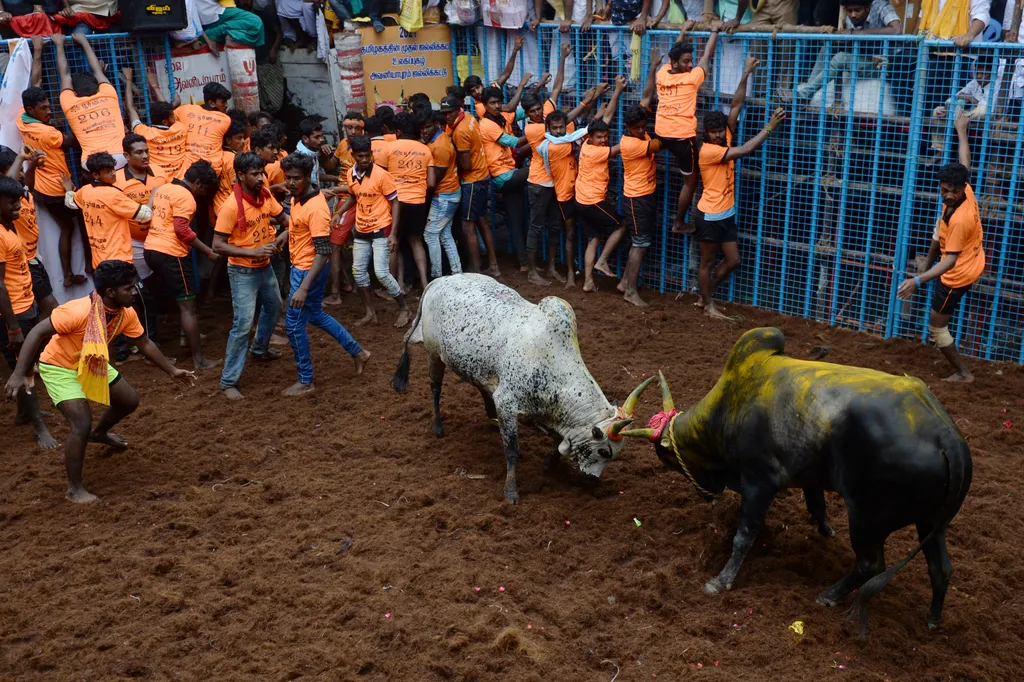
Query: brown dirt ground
[{"x": 215, "y": 550}]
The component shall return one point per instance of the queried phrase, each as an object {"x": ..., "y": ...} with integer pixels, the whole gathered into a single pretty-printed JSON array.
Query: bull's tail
[
  {"x": 958, "y": 478},
  {"x": 400, "y": 381}
]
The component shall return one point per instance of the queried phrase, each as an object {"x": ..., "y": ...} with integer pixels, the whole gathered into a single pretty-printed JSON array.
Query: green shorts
[{"x": 62, "y": 383}]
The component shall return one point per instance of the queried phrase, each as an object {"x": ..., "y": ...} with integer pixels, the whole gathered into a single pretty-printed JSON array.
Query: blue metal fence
[{"x": 835, "y": 208}]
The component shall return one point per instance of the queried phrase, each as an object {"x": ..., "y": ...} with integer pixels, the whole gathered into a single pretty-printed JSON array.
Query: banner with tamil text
[{"x": 397, "y": 64}]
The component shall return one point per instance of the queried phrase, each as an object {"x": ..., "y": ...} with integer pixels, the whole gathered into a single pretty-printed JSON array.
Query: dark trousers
[
  {"x": 544, "y": 215},
  {"x": 514, "y": 194}
]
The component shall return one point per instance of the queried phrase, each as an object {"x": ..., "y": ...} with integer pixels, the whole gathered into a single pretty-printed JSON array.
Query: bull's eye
[
  {"x": 597, "y": 433},
  {"x": 605, "y": 453}
]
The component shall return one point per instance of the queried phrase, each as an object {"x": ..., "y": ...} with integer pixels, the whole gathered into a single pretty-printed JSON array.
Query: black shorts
[
  {"x": 717, "y": 231},
  {"x": 641, "y": 214},
  {"x": 40, "y": 279},
  {"x": 597, "y": 220},
  {"x": 175, "y": 274},
  {"x": 567, "y": 209},
  {"x": 474, "y": 200},
  {"x": 412, "y": 218},
  {"x": 685, "y": 151},
  {"x": 26, "y": 320},
  {"x": 945, "y": 300}
]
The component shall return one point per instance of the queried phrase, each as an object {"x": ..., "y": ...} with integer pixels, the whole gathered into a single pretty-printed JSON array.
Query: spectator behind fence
[
  {"x": 863, "y": 17},
  {"x": 963, "y": 21},
  {"x": 973, "y": 99}
]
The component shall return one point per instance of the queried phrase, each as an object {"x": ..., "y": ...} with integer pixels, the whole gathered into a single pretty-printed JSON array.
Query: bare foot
[
  {"x": 369, "y": 317},
  {"x": 635, "y": 299},
  {"x": 553, "y": 274},
  {"x": 233, "y": 394},
  {"x": 278, "y": 340},
  {"x": 347, "y": 288},
  {"x": 683, "y": 228},
  {"x": 603, "y": 269},
  {"x": 699, "y": 303},
  {"x": 271, "y": 354},
  {"x": 534, "y": 278},
  {"x": 589, "y": 286},
  {"x": 361, "y": 361},
  {"x": 67, "y": 281},
  {"x": 109, "y": 439},
  {"x": 43, "y": 437},
  {"x": 493, "y": 271},
  {"x": 960, "y": 378},
  {"x": 334, "y": 299},
  {"x": 570, "y": 282},
  {"x": 381, "y": 294},
  {"x": 203, "y": 363},
  {"x": 79, "y": 279},
  {"x": 711, "y": 311},
  {"x": 80, "y": 496},
  {"x": 403, "y": 318},
  {"x": 299, "y": 388},
  {"x": 523, "y": 269},
  {"x": 621, "y": 287}
]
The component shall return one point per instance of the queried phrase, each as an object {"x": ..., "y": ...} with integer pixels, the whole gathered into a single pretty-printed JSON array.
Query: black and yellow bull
[{"x": 883, "y": 442}]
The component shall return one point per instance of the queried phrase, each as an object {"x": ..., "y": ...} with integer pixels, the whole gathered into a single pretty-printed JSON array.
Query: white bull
[{"x": 525, "y": 361}]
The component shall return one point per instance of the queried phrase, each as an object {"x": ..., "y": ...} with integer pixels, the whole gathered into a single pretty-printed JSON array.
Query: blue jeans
[
  {"x": 365, "y": 251},
  {"x": 438, "y": 233},
  {"x": 312, "y": 312},
  {"x": 249, "y": 285}
]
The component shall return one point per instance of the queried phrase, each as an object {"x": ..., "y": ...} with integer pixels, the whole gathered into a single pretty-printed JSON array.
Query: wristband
[
  {"x": 769, "y": 129},
  {"x": 917, "y": 281}
]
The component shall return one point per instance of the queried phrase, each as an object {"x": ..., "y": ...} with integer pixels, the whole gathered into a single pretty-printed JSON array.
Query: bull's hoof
[
  {"x": 439, "y": 429},
  {"x": 826, "y": 531},
  {"x": 714, "y": 586},
  {"x": 933, "y": 624},
  {"x": 825, "y": 600},
  {"x": 512, "y": 495}
]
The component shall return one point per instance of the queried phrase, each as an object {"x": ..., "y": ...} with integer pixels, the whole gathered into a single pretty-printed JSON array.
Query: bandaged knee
[{"x": 941, "y": 336}]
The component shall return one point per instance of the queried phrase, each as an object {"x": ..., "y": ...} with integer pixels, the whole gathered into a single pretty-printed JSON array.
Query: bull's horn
[
  {"x": 667, "y": 405},
  {"x": 638, "y": 433},
  {"x": 615, "y": 428},
  {"x": 630, "y": 404}
]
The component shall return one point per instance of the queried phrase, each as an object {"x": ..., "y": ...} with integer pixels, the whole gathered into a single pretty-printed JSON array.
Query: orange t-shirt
[
  {"x": 166, "y": 146},
  {"x": 273, "y": 173},
  {"x": 96, "y": 121},
  {"x": 204, "y": 135},
  {"x": 592, "y": 181},
  {"x": 27, "y": 227},
  {"x": 563, "y": 169},
  {"x": 538, "y": 173},
  {"x": 466, "y": 137},
  {"x": 963, "y": 234},
  {"x": 107, "y": 211},
  {"x": 309, "y": 219},
  {"x": 509, "y": 116},
  {"x": 719, "y": 178},
  {"x": 226, "y": 161},
  {"x": 677, "y": 102},
  {"x": 499, "y": 157},
  {"x": 345, "y": 159},
  {"x": 373, "y": 193},
  {"x": 69, "y": 321},
  {"x": 638, "y": 168},
  {"x": 17, "y": 277},
  {"x": 390, "y": 137},
  {"x": 407, "y": 165},
  {"x": 139, "y": 191},
  {"x": 258, "y": 230},
  {"x": 381, "y": 149},
  {"x": 50, "y": 140},
  {"x": 443, "y": 151},
  {"x": 170, "y": 201}
]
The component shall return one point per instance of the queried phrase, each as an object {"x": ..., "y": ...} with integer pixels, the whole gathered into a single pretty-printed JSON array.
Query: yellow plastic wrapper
[{"x": 797, "y": 627}]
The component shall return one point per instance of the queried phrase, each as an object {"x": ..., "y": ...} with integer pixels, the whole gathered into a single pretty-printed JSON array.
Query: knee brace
[{"x": 941, "y": 336}]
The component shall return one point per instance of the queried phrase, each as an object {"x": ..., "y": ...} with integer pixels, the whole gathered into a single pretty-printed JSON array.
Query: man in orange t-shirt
[
  {"x": 264, "y": 142},
  {"x": 205, "y": 126},
  {"x": 411, "y": 166},
  {"x": 959, "y": 239},
  {"x": 309, "y": 246},
  {"x": 166, "y": 137},
  {"x": 372, "y": 192},
  {"x": 90, "y": 103},
  {"x": 17, "y": 305},
  {"x": 68, "y": 376},
  {"x": 475, "y": 178},
  {"x": 36, "y": 132},
  {"x": 245, "y": 234},
  {"x": 676, "y": 122},
  {"x": 447, "y": 193},
  {"x": 137, "y": 180},
  {"x": 342, "y": 224},
  {"x": 169, "y": 241},
  {"x": 716, "y": 224}
]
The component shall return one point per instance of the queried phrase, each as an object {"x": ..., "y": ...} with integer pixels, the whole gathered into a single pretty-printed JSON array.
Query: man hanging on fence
[
  {"x": 959, "y": 238},
  {"x": 716, "y": 225}
]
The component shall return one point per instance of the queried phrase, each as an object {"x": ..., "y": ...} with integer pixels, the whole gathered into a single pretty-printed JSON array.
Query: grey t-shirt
[{"x": 881, "y": 15}]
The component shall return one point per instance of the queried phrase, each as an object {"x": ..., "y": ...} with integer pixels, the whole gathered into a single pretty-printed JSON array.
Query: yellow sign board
[{"x": 397, "y": 64}]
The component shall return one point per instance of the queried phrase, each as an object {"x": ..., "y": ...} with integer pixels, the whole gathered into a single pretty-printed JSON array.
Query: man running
[
  {"x": 75, "y": 365},
  {"x": 309, "y": 245},
  {"x": 716, "y": 225},
  {"x": 959, "y": 239}
]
